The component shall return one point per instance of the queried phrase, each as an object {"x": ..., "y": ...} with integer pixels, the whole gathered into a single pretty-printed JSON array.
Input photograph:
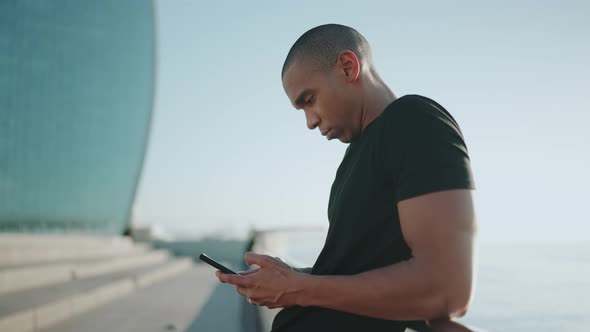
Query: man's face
[{"x": 329, "y": 101}]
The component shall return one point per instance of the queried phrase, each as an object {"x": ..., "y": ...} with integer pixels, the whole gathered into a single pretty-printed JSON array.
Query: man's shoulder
[
  {"x": 403, "y": 106},
  {"x": 409, "y": 111}
]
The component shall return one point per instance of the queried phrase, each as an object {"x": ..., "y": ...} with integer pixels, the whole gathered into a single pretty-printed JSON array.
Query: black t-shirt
[{"x": 414, "y": 147}]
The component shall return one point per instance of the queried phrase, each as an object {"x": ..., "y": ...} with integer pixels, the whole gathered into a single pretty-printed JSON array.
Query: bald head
[{"x": 321, "y": 46}]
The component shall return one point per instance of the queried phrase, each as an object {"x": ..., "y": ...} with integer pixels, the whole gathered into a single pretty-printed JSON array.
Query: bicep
[{"x": 439, "y": 228}]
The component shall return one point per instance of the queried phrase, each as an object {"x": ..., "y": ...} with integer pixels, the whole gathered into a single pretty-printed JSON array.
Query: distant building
[{"x": 76, "y": 98}]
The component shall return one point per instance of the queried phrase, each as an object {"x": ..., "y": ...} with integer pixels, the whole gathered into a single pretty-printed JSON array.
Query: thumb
[{"x": 260, "y": 260}]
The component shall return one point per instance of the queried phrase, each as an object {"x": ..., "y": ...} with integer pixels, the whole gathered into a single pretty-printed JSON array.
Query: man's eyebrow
[{"x": 299, "y": 100}]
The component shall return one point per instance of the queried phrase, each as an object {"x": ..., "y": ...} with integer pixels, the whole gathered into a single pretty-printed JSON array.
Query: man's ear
[{"x": 349, "y": 65}]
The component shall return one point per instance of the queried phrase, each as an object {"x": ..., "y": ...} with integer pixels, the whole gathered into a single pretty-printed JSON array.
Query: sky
[{"x": 228, "y": 151}]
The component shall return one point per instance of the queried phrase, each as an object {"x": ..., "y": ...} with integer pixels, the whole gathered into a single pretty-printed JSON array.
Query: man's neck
[{"x": 377, "y": 97}]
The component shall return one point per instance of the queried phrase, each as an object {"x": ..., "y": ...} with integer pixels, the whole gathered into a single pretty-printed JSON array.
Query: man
[{"x": 400, "y": 243}]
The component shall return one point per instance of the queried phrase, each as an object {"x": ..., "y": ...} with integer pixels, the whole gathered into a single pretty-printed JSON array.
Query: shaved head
[
  {"x": 321, "y": 46},
  {"x": 329, "y": 74}
]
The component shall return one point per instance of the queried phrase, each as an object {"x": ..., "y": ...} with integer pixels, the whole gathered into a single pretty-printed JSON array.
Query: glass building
[{"x": 76, "y": 99}]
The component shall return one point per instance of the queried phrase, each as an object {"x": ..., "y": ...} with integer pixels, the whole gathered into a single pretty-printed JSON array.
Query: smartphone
[{"x": 215, "y": 264}]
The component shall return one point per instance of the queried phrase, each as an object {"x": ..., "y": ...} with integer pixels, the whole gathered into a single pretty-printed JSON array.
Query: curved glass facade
[{"x": 76, "y": 95}]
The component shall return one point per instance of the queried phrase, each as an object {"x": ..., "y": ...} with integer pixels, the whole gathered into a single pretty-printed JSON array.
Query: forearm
[{"x": 403, "y": 291}]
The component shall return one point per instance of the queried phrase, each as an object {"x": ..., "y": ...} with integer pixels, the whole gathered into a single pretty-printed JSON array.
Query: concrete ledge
[
  {"x": 16, "y": 257},
  {"x": 108, "y": 293},
  {"x": 153, "y": 277},
  {"x": 21, "y": 322},
  {"x": 118, "y": 264},
  {"x": 41, "y": 317},
  {"x": 191, "y": 301},
  {"x": 17, "y": 279},
  {"x": 83, "y": 302},
  {"x": 52, "y": 313},
  {"x": 17, "y": 240}
]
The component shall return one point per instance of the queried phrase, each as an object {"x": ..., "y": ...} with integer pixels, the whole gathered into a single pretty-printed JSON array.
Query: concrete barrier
[
  {"x": 153, "y": 277},
  {"x": 119, "y": 264},
  {"x": 46, "y": 315},
  {"x": 16, "y": 279},
  {"x": 23, "y": 321},
  {"x": 52, "y": 313},
  {"x": 16, "y": 240},
  {"x": 11, "y": 257},
  {"x": 12, "y": 280}
]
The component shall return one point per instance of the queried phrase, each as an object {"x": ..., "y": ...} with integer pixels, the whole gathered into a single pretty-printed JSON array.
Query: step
[
  {"x": 35, "y": 309},
  {"x": 16, "y": 254},
  {"x": 70, "y": 256},
  {"x": 191, "y": 301},
  {"x": 17, "y": 240},
  {"x": 16, "y": 279}
]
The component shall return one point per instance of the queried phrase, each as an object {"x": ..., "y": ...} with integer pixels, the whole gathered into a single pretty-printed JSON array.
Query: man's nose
[{"x": 312, "y": 119}]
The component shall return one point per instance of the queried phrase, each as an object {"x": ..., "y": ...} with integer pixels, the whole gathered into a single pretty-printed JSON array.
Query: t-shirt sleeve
[{"x": 426, "y": 151}]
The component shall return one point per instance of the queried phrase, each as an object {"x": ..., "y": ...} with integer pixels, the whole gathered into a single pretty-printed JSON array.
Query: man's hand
[{"x": 274, "y": 284}]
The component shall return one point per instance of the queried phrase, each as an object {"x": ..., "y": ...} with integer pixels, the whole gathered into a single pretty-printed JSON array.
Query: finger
[
  {"x": 260, "y": 260},
  {"x": 254, "y": 301},
  {"x": 241, "y": 290},
  {"x": 233, "y": 279},
  {"x": 245, "y": 273}
]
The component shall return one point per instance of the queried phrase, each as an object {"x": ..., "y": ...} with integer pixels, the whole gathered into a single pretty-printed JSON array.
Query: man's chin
[{"x": 343, "y": 139}]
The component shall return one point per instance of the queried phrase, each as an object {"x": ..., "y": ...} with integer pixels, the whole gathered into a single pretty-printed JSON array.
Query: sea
[{"x": 520, "y": 286}]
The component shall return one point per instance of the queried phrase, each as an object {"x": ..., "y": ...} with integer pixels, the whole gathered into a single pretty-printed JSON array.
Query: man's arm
[{"x": 437, "y": 282}]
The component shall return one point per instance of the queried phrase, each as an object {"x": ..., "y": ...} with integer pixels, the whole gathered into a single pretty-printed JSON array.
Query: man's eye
[{"x": 308, "y": 101}]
